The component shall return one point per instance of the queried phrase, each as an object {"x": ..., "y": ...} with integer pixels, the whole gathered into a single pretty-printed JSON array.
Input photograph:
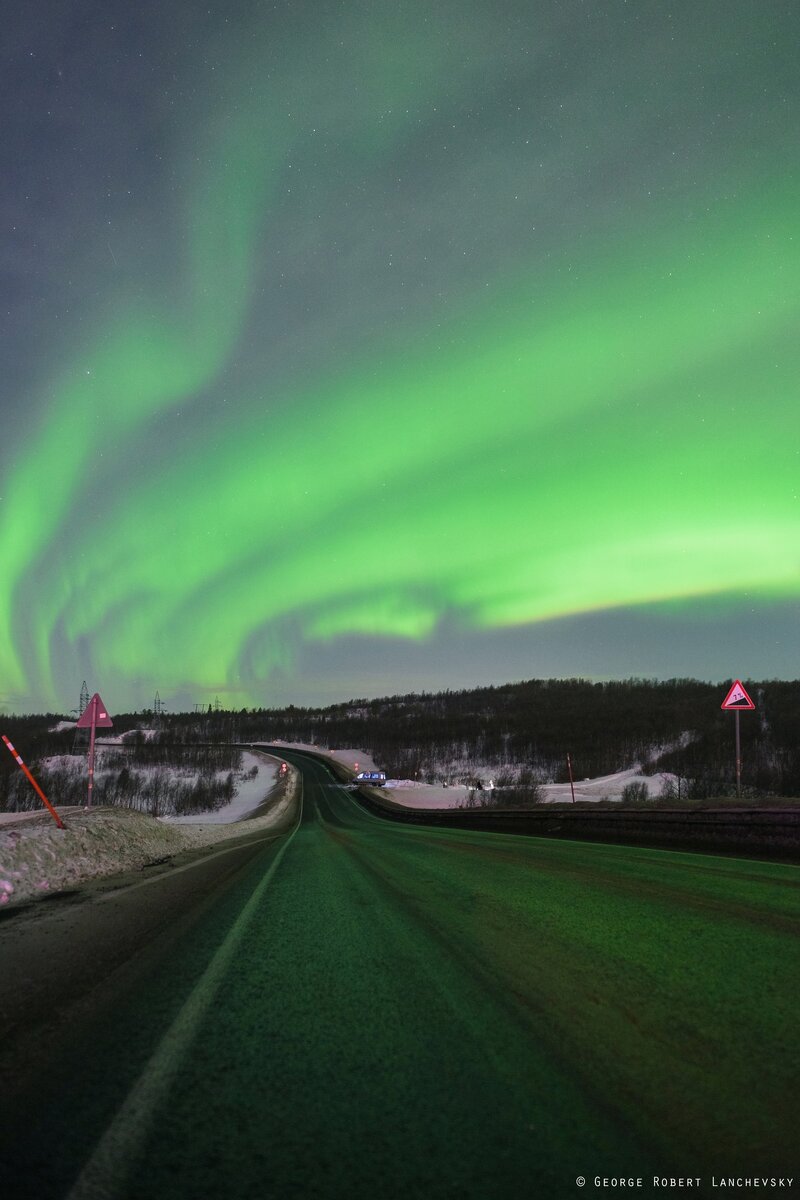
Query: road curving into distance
[{"x": 357, "y": 1008}]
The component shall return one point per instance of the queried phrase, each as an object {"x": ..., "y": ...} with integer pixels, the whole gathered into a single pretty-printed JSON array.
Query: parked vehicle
[{"x": 373, "y": 778}]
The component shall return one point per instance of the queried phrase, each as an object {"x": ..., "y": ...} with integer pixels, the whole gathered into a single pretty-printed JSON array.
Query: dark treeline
[
  {"x": 163, "y": 750},
  {"x": 674, "y": 726}
]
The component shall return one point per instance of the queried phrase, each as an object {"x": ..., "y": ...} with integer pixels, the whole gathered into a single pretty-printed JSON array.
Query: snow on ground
[
  {"x": 36, "y": 857},
  {"x": 604, "y": 787},
  {"x": 122, "y": 738},
  {"x": 250, "y": 794},
  {"x": 356, "y": 760},
  {"x": 413, "y": 794},
  {"x": 105, "y": 739}
]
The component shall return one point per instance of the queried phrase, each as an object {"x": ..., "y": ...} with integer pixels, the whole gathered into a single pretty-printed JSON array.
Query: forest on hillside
[
  {"x": 522, "y": 731},
  {"x": 675, "y": 726}
]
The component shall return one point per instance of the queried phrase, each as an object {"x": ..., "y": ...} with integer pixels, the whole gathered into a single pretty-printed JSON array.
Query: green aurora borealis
[{"x": 345, "y": 350}]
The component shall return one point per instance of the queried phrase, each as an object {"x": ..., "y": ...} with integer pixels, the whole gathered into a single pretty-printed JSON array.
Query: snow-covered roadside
[
  {"x": 250, "y": 794},
  {"x": 36, "y": 857},
  {"x": 413, "y": 794}
]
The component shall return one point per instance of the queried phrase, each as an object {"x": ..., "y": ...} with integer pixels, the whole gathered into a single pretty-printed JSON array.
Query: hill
[{"x": 522, "y": 732}]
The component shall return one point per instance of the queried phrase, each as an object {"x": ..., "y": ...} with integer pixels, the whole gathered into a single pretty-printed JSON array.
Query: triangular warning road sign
[
  {"x": 737, "y": 697},
  {"x": 101, "y": 718}
]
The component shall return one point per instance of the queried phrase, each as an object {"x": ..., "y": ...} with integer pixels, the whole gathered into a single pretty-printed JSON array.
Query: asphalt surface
[{"x": 356, "y": 1008}]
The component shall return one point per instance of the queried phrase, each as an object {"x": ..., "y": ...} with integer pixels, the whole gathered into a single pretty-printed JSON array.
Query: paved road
[{"x": 360, "y": 1009}]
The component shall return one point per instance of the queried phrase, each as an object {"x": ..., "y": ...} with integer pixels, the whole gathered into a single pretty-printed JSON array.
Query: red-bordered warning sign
[
  {"x": 95, "y": 714},
  {"x": 737, "y": 698}
]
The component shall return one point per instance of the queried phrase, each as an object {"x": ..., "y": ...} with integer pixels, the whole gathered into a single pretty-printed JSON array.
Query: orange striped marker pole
[{"x": 36, "y": 788}]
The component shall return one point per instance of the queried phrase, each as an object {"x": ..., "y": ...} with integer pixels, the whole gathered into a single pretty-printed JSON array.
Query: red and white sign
[
  {"x": 95, "y": 714},
  {"x": 737, "y": 697}
]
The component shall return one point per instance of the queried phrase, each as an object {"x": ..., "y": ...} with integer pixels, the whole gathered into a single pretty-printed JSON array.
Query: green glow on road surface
[
  {"x": 208, "y": 482},
  {"x": 385, "y": 1010},
  {"x": 488, "y": 1010}
]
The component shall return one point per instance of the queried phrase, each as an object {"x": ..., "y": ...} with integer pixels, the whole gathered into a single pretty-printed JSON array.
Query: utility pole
[
  {"x": 571, "y": 781},
  {"x": 81, "y": 739}
]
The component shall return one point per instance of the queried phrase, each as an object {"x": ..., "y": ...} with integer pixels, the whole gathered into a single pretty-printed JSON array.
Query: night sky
[{"x": 350, "y": 349}]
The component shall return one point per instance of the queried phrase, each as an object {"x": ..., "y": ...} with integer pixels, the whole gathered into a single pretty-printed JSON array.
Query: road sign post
[
  {"x": 94, "y": 717},
  {"x": 736, "y": 700},
  {"x": 571, "y": 781}
]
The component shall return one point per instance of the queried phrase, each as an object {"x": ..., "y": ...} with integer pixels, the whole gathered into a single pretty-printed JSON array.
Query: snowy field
[{"x": 605, "y": 787}]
